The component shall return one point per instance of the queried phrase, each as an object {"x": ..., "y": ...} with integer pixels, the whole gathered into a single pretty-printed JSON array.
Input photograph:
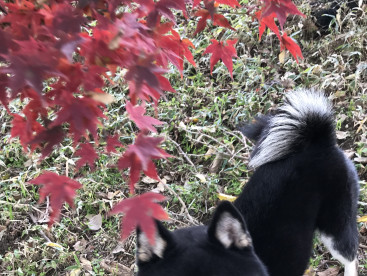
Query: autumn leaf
[
  {"x": 136, "y": 114},
  {"x": 31, "y": 64},
  {"x": 63, "y": 18},
  {"x": 139, "y": 157},
  {"x": 140, "y": 211},
  {"x": 112, "y": 143},
  {"x": 231, "y": 3},
  {"x": 50, "y": 138},
  {"x": 4, "y": 99},
  {"x": 24, "y": 129},
  {"x": 281, "y": 8},
  {"x": 174, "y": 49},
  {"x": 59, "y": 188},
  {"x": 288, "y": 43},
  {"x": 218, "y": 20},
  {"x": 147, "y": 93},
  {"x": 267, "y": 21},
  {"x": 163, "y": 7},
  {"x": 82, "y": 114},
  {"x": 221, "y": 51},
  {"x": 145, "y": 73},
  {"x": 88, "y": 156}
]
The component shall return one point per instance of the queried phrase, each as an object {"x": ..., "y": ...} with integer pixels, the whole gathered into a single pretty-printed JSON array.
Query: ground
[{"x": 211, "y": 157}]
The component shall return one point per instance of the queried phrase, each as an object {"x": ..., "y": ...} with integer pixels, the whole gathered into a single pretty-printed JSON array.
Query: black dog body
[
  {"x": 294, "y": 197},
  {"x": 302, "y": 183},
  {"x": 309, "y": 185}
]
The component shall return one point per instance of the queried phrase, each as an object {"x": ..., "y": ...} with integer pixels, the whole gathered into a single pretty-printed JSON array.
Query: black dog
[
  {"x": 223, "y": 248},
  {"x": 303, "y": 182}
]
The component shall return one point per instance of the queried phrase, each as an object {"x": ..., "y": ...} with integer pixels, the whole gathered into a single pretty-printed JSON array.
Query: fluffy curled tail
[{"x": 304, "y": 120}]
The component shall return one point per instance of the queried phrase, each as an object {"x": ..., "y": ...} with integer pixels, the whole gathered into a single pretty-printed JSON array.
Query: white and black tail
[{"x": 305, "y": 119}]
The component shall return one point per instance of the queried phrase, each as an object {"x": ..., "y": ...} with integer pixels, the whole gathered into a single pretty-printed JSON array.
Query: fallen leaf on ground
[
  {"x": 362, "y": 160},
  {"x": 80, "y": 245},
  {"x": 119, "y": 248},
  {"x": 341, "y": 135},
  {"x": 160, "y": 186},
  {"x": 201, "y": 177},
  {"x": 95, "y": 222},
  {"x": 226, "y": 197},
  {"x": 87, "y": 265},
  {"x": 55, "y": 245},
  {"x": 331, "y": 271}
]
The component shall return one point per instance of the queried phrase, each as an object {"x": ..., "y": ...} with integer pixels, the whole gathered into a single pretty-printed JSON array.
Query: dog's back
[{"x": 302, "y": 182}]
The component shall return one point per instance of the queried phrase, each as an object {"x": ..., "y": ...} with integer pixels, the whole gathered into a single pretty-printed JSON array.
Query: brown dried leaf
[
  {"x": 95, "y": 222},
  {"x": 331, "y": 271}
]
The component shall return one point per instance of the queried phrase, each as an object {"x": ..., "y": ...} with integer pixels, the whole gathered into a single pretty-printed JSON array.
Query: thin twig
[
  {"x": 183, "y": 153},
  {"x": 212, "y": 138},
  {"x": 39, "y": 230},
  {"x": 191, "y": 219}
]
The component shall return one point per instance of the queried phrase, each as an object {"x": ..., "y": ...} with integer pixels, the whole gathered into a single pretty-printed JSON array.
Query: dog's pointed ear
[
  {"x": 228, "y": 227},
  {"x": 162, "y": 242}
]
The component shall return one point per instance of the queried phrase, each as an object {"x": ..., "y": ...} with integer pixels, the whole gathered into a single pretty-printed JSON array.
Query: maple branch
[{"x": 191, "y": 219}]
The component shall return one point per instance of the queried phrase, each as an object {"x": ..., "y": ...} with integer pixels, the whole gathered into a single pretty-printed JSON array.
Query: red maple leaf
[
  {"x": 139, "y": 157},
  {"x": 60, "y": 189},
  {"x": 173, "y": 48},
  {"x": 196, "y": 3},
  {"x": 88, "y": 156},
  {"x": 146, "y": 93},
  {"x": 30, "y": 65},
  {"x": 112, "y": 143},
  {"x": 281, "y": 8},
  {"x": 145, "y": 73},
  {"x": 50, "y": 137},
  {"x": 220, "y": 51},
  {"x": 140, "y": 211},
  {"x": 269, "y": 22},
  {"x": 63, "y": 18},
  {"x": 82, "y": 114},
  {"x": 163, "y": 7},
  {"x": 218, "y": 20},
  {"x": 24, "y": 129},
  {"x": 292, "y": 46},
  {"x": 231, "y": 3},
  {"x": 136, "y": 114},
  {"x": 4, "y": 99}
]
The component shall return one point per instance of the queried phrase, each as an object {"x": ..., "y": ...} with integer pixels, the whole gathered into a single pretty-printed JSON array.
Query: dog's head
[{"x": 221, "y": 249}]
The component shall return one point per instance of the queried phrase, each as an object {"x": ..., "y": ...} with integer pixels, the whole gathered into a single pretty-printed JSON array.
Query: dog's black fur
[
  {"x": 221, "y": 249},
  {"x": 303, "y": 182},
  {"x": 312, "y": 186}
]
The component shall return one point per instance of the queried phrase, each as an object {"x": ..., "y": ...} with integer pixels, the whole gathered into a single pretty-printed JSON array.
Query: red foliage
[
  {"x": 136, "y": 114},
  {"x": 140, "y": 211},
  {"x": 59, "y": 188},
  {"x": 291, "y": 45},
  {"x": 221, "y": 51},
  {"x": 280, "y": 9},
  {"x": 55, "y": 58},
  {"x": 112, "y": 143},
  {"x": 88, "y": 156},
  {"x": 218, "y": 20},
  {"x": 139, "y": 157}
]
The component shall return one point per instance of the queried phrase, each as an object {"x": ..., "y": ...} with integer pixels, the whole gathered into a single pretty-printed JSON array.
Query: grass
[{"x": 201, "y": 119}]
